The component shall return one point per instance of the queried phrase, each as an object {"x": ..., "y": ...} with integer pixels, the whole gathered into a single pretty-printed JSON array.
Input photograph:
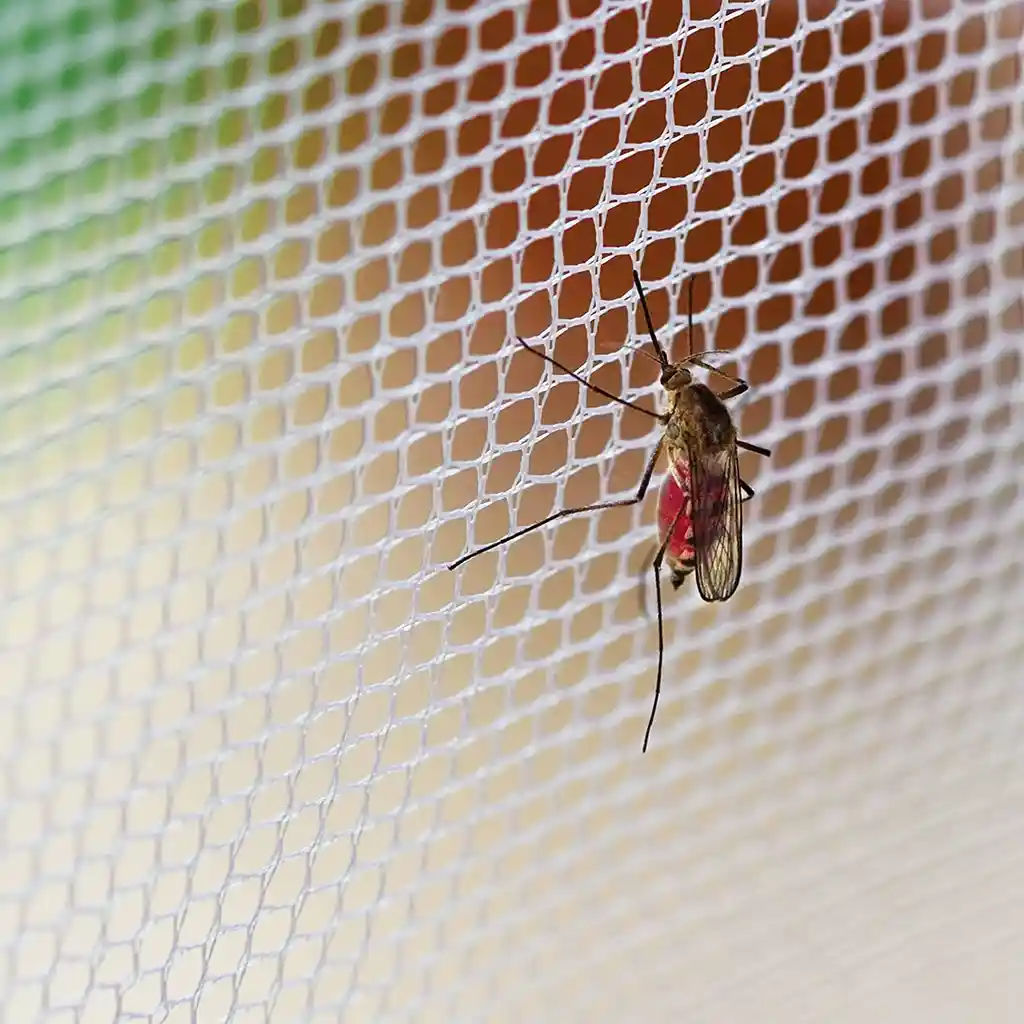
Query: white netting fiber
[{"x": 263, "y": 757}]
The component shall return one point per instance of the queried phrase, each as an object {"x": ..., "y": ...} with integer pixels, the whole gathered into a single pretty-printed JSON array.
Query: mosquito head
[{"x": 676, "y": 377}]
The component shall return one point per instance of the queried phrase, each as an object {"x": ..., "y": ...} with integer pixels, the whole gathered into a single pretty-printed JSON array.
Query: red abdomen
[{"x": 674, "y": 500}]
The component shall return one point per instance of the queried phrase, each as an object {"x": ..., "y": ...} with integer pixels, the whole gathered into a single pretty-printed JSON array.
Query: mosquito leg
[
  {"x": 593, "y": 387},
  {"x": 734, "y": 392},
  {"x": 658, "y": 559},
  {"x": 755, "y": 448},
  {"x": 645, "y": 482},
  {"x": 748, "y": 491},
  {"x": 645, "y": 568}
]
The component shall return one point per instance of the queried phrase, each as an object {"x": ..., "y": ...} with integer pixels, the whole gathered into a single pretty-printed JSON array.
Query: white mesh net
[{"x": 263, "y": 757}]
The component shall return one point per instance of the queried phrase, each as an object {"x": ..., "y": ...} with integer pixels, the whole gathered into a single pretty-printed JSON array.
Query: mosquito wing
[{"x": 717, "y": 521}]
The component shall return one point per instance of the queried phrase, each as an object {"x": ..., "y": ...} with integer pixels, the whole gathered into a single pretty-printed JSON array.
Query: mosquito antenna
[
  {"x": 630, "y": 347},
  {"x": 647, "y": 355},
  {"x": 662, "y": 358},
  {"x": 590, "y": 384}
]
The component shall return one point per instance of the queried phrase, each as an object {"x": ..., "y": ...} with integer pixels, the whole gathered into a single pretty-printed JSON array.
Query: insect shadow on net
[{"x": 700, "y": 519}]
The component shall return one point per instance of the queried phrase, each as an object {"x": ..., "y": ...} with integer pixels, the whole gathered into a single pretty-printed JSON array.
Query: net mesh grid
[{"x": 263, "y": 757}]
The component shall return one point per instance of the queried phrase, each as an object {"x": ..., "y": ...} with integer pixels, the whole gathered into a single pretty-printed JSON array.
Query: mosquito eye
[{"x": 666, "y": 376}]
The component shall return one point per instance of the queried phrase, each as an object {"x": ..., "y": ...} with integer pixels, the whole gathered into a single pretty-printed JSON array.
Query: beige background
[{"x": 267, "y": 760}]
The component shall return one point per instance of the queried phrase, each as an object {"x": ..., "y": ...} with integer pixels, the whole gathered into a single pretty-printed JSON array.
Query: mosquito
[{"x": 700, "y": 518}]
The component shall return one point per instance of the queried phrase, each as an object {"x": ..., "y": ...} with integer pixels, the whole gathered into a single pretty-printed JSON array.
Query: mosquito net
[{"x": 264, "y": 758}]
